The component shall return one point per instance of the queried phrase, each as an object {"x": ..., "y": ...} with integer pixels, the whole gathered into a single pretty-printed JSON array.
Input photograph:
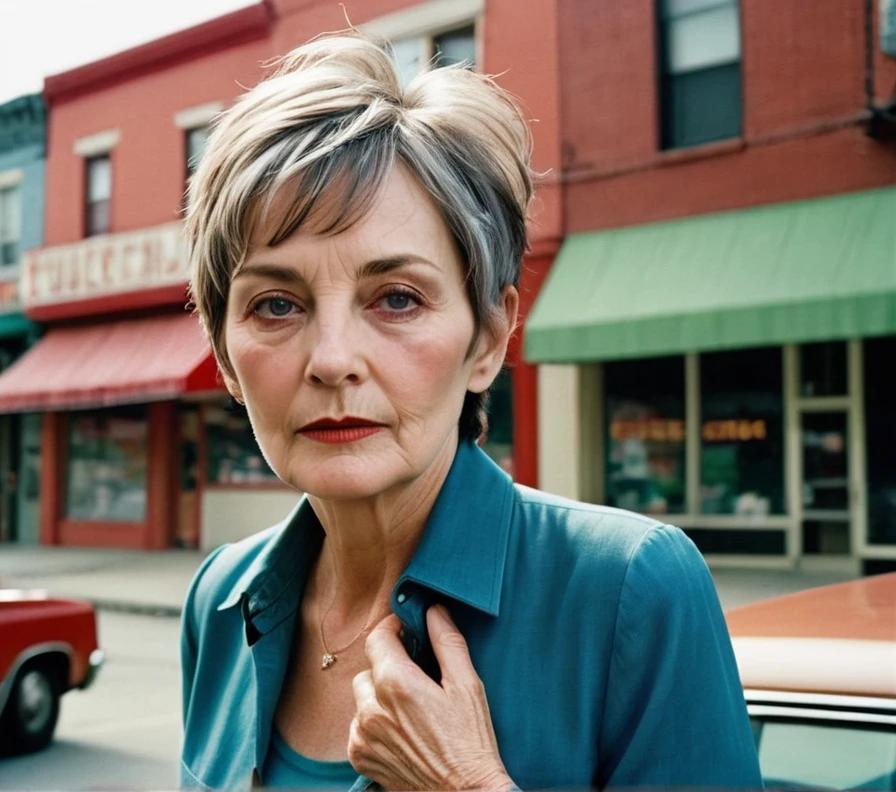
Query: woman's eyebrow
[
  {"x": 383, "y": 265},
  {"x": 272, "y": 271}
]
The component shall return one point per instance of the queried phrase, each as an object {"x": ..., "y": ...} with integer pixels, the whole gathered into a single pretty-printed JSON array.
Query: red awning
[{"x": 101, "y": 364}]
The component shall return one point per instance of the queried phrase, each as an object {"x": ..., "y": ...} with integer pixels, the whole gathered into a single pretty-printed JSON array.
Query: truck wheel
[{"x": 32, "y": 709}]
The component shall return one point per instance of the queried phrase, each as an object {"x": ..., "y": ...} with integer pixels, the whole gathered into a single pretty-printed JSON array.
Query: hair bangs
[{"x": 326, "y": 196}]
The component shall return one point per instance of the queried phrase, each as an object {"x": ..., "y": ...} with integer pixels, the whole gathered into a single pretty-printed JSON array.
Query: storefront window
[
  {"x": 742, "y": 433},
  {"x": 823, "y": 369},
  {"x": 499, "y": 438},
  {"x": 107, "y": 465},
  {"x": 645, "y": 435},
  {"x": 880, "y": 431},
  {"x": 233, "y": 454}
]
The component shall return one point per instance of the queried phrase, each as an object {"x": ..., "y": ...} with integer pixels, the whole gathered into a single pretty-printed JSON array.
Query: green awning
[{"x": 812, "y": 270}]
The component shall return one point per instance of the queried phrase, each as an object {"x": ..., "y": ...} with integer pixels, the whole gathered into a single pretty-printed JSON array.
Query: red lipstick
[{"x": 341, "y": 430}]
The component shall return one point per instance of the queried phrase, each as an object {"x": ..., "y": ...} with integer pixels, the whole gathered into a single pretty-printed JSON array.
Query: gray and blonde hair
[{"x": 327, "y": 126}]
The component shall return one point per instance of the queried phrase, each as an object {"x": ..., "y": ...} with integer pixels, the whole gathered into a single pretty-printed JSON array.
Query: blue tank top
[{"x": 284, "y": 767}]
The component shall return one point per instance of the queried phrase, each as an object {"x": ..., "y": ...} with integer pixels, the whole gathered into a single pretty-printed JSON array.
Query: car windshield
[{"x": 825, "y": 754}]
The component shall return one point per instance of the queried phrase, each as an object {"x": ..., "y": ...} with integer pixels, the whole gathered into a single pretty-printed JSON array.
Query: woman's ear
[{"x": 492, "y": 346}]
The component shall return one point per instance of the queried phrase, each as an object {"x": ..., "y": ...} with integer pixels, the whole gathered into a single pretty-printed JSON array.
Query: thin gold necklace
[{"x": 330, "y": 656}]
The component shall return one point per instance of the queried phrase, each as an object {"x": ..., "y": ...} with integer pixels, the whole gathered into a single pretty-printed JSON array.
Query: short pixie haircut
[{"x": 325, "y": 130}]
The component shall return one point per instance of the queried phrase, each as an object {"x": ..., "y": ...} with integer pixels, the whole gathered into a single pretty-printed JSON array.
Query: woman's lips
[{"x": 342, "y": 430}]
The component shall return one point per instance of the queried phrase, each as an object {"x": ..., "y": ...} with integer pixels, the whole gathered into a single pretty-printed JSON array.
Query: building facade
[
  {"x": 140, "y": 445},
  {"x": 716, "y": 337},
  {"x": 22, "y": 158}
]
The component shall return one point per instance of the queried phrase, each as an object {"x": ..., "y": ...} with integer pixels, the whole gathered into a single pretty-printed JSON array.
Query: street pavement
[
  {"x": 124, "y": 732},
  {"x": 155, "y": 582}
]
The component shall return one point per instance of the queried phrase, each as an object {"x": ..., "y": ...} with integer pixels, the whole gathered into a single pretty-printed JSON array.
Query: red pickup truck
[{"x": 47, "y": 647}]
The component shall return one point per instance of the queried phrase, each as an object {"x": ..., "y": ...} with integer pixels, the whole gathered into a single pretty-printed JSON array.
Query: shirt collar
[
  {"x": 463, "y": 550},
  {"x": 461, "y": 555}
]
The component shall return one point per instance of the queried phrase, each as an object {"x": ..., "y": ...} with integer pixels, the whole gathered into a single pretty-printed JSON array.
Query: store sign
[
  {"x": 663, "y": 430},
  {"x": 888, "y": 27},
  {"x": 658, "y": 430},
  {"x": 105, "y": 265},
  {"x": 734, "y": 431}
]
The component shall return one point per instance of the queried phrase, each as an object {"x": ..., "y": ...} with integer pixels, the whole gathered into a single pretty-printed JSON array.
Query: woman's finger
[
  {"x": 395, "y": 675},
  {"x": 449, "y": 646},
  {"x": 363, "y": 690}
]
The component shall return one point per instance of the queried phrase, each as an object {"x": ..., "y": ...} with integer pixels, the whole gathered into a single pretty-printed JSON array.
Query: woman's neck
[{"x": 370, "y": 541}]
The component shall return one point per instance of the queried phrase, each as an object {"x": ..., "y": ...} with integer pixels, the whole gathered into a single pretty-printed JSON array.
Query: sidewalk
[{"x": 155, "y": 582}]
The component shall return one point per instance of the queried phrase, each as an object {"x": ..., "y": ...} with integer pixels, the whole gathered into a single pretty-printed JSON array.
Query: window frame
[
  {"x": 88, "y": 162},
  {"x": 6, "y": 190},
  {"x": 664, "y": 77},
  {"x": 187, "y": 132},
  {"x": 427, "y": 21}
]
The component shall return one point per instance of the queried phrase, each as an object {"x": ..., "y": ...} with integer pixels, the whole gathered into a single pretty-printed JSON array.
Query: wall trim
[
  {"x": 98, "y": 143},
  {"x": 198, "y": 116},
  {"x": 11, "y": 178},
  {"x": 430, "y": 17}
]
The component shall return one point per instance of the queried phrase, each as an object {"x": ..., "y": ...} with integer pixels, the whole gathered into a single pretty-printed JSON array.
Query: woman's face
[{"x": 351, "y": 350}]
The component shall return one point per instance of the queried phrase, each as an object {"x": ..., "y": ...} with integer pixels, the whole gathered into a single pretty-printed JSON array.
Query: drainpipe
[{"x": 881, "y": 120}]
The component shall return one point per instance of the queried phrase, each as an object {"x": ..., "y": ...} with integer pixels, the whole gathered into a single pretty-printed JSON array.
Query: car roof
[{"x": 832, "y": 639}]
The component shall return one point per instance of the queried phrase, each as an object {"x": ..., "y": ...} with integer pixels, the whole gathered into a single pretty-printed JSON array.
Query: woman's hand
[{"x": 411, "y": 733}]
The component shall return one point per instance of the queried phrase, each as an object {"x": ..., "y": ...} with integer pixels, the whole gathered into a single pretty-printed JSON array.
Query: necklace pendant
[{"x": 327, "y": 660}]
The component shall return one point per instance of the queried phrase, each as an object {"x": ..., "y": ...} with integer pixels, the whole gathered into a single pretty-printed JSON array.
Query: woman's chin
[{"x": 344, "y": 479}]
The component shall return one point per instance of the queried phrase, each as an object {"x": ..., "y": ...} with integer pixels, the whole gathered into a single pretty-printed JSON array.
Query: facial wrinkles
[{"x": 411, "y": 374}]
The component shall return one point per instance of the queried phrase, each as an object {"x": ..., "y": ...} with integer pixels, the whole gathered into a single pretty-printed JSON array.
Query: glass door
[{"x": 824, "y": 437}]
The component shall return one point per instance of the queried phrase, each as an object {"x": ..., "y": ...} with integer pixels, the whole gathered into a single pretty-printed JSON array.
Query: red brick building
[
  {"x": 140, "y": 445},
  {"x": 718, "y": 332},
  {"x": 715, "y": 213}
]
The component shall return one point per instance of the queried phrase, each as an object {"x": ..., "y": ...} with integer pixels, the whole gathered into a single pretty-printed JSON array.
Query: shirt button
[{"x": 401, "y": 597}]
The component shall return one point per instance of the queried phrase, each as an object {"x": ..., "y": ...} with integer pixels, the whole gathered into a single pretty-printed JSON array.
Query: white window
[
  {"x": 196, "y": 140},
  {"x": 96, "y": 152},
  {"x": 10, "y": 225},
  {"x": 415, "y": 54},
  {"x": 98, "y": 195},
  {"x": 431, "y": 34},
  {"x": 196, "y": 123}
]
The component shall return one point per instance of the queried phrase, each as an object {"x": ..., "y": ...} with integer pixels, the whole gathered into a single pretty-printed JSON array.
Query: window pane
[
  {"x": 645, "y": 435},
  {"x": 708, "y": 38},
  {"x": 823, "y": 369},
  {"x": 9, "y": 253},
  {"x": 752, "y": 541},
  {"x": 455, "y": 46},
  {"x": 233, "y": 455},
  {"x": 98, "y": 218},
  {"x": 197, "y": 139},
  {"x": 107, "y": 465},
  {"x": 10, "y": 215},
  {"x": 702, "y": 106},
  {"x": 742, "y": 433},
  {"x": 825, "y": 462},
  {"x": 830, "y": 756},
  {"x": 880, "y": 430},
  {"x": 99, "y": 179},
  {"x": 410, "y": 57}
]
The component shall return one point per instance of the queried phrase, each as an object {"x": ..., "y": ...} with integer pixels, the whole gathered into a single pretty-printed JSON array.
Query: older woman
[{"x": 418, "y": 619}]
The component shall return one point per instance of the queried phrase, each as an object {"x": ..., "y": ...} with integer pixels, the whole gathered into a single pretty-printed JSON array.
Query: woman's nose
[{"x": 335, "y": 358}]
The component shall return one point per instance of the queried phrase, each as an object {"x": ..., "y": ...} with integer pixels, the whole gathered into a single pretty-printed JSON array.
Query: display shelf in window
[{"x": 233, "y": 456}]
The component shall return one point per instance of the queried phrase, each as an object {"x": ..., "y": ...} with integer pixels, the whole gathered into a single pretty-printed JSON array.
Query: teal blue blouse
[
  {"x": 288, "y": 769},
  {"x": 597, "y": 634}
]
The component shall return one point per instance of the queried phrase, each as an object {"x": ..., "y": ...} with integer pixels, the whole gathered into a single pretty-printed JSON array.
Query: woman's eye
[
  {"x": 274, "y": 307},
  {"x": 398, "y": 302}
]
